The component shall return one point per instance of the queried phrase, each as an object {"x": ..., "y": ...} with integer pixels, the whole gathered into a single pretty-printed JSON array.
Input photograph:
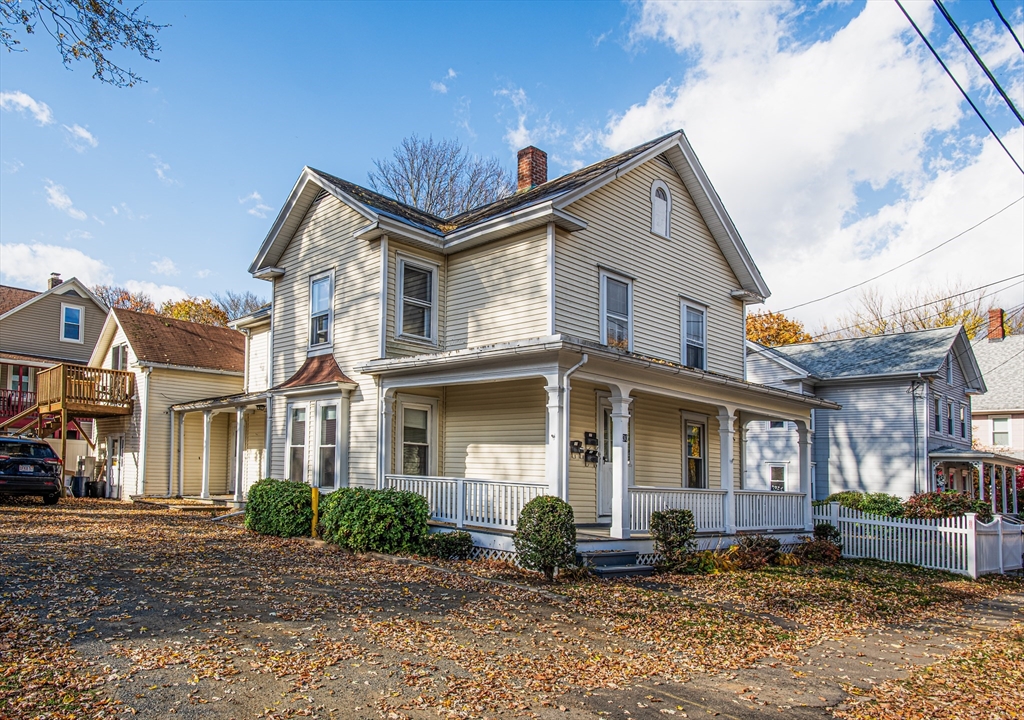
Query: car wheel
[{"x": 51, "y": 499}]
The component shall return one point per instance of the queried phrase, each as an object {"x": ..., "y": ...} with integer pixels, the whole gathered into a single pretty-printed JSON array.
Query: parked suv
[{"x": 29, "y": 467}]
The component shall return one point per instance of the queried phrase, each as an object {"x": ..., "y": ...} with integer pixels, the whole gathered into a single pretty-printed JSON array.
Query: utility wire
[
  {"x": 963, "y": 92},
  {"x": 903, "y": 264},
  {"x": 977, "y": 58},
  {"x": 1007, "y": 24}
]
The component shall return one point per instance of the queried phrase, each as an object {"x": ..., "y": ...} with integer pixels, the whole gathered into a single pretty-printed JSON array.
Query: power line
[
  {"x": 963, "y": 92},
  {"x": 1007, "y": 24},
  {"x": 977, "y": 58},
  {"x": 903, "y": 264}
]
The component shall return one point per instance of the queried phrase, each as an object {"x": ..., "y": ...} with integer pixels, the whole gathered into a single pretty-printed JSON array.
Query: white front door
[{"x": 115, "y": 461}]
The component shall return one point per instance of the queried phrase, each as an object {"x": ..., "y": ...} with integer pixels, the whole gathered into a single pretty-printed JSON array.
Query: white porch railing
[
  {"x": 707, "y": 506},
  {"x": 462, "y": 501},
  {"x": 760, "y": 510}
]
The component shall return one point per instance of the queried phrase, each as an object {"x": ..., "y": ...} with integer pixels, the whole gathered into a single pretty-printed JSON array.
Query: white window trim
[
  {"x": 701, "y": 420},
  {"x": 785, "y": 426},
  {"x": 684, "y": 305},
  {"x": 288, "y": 441},
  {"x": 655, "y": 186},
  {"x": 81, "y": 323},
  {"x": 435, "y": 270},
  {"x": 604, "y": 274},
  {"x": 1009, "y": 430},
  {"x": 950, "y": 420},
  {"x": 319, "y": 444},
  {"x": 320, "y": 348},
  {"x": 785, "y": 475},
  {"x": 115, "y": 351},
  {"x": 418, "y": 402}
]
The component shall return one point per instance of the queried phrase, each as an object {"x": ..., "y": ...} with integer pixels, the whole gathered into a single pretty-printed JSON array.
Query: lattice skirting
[{"x": 481, "y": 553}]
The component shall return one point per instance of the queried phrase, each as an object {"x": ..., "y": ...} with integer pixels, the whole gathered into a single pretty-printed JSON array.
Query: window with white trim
[
  {"x": 695, "y": 447},
  {"x": 417, "y": 432},
  {"x": 695, "y": 336},
  {"x": 938, "y": 415},
  {"x": 777, "y": 477},
  {"x": 72, "y": 318},
  {"x": 661, "y": 208},
  {"x": 321, "y": 310},
  {"x": 949, "y": 418},
  {"x": 1001, "y": 431},
  {"x": 616, "y": 311},
  {"x": 327, "y": 445},
  {"x": 417, "y": 301},
  {"x": 963, "y": 421},
  {"x": 296, "y": 457},
  {"x": 119, "y": 356},
  {"x": 21, "y": 378},
  {"x": 776, "y": 424}
]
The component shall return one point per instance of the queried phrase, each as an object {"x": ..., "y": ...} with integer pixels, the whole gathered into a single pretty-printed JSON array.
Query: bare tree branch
[{"x": 236, "y": 305}]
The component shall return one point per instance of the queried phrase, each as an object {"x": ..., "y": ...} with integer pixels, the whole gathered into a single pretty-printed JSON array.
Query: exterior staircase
[{"x": 613, "y": 563}]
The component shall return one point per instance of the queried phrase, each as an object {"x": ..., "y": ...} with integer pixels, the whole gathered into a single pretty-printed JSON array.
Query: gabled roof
[
  {"x": 1002, "y": 366},
  {"x": 28, "y": 297},
  {"x": 159, "y": 340},
  {"x": 544, "y": 203},
  {"x": 12, "y": 297},
  {"x": 901, "y": 354}
]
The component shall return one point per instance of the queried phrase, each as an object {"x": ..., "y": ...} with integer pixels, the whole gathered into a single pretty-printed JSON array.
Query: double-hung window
[
  {"x": 327, "y": 445},
  {"x": 616, "y": 312},
  {"x": 661, "y": 208},
  {"x": 694, "y": 336},
  {"x": 777, "y": 477},
  {"x": 119, "y": 357},
  {"x": 963, "y": 421},
  {"x": 71, "y": 317},
  {"x": 417, "y": 301},
  {"x": 949, "y": 418},
  {"x": 938, "y": 415},
  {"x": 320, "y": 310},
  {"x": 696, "y": 451},
  {"x": 296, "y": 443},
  {"x": 1001, "y": 432},
  {"x": 416, "y": 418}
]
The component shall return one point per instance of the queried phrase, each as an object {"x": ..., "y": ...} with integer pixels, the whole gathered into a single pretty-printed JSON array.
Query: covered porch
[
  {"x": 986, "y": 476},
  {"x": 481, "y": 433}
]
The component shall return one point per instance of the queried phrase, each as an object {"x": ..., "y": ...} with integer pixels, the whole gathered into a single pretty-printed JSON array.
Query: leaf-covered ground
[{"x": 108, "y": 609}]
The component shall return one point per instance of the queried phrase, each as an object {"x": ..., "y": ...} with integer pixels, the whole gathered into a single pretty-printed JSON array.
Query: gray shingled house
[
  {"x": 999, "y": 413},
  {"x": 905, "y": 425}
]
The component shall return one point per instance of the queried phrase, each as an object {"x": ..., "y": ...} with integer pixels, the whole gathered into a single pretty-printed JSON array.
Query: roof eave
[{"x": 510, "y": 222}]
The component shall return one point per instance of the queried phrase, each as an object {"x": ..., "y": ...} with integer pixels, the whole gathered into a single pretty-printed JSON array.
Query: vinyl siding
[
  {"x": 766, "y": 371},
  {"x": 130, "y": 426},
  {"x": 498, "y": 292},
  {"x": 957, "y": 393},
  {"x": 582, "y": 478},
  {"x": 259, "y": 342},
  {"x": 219, "y": 454},
  {"x": 766, "y": 447},
  {"x": 983, "y": 430},
  {"x": 323, "y": 242},
  {"x": 35, "y": 330},
  {"x": 689, "y": 264},
  {"x": 403, "y": 347}
]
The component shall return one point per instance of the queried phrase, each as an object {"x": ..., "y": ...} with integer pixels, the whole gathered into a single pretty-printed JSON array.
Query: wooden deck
[{"x": 83, "y": 391}]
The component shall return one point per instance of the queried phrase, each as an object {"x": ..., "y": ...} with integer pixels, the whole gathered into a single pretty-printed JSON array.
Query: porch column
[
  {"x": 268, "y": 436},
  {"x": 931, "y": 478},
  {"x": 980, "y": 468},
  {"x": 344, "y": 431},
  {"x": 207, "y": 418},
  {"x": 387, "y": 412},
  {"x": 804, "y": 451},
  {"x": 173, "y": 453},
  {"x": 992, "y": 481},
  {"x": 1013, "y": 482},
  {"x": 554, "y": 442},
  {"x": 181, "y": 454},
  {"x": 620, "y": 466},
  {"x": 726, "y": 437},
  {"x": 1002, "y": 476},
  {"x": 239, "y": 451}
]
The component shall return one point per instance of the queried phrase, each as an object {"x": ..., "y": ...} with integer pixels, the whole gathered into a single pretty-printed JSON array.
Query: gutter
[
  {"x": 563, "y": 491},
  {"x": 188, "y": 368}
]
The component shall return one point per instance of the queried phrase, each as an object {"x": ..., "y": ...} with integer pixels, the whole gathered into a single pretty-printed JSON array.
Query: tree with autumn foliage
[
  {"x": 773, "y": 329},
  {"x": 195, "y": 309},
  {"x": 121, "y": 298}
]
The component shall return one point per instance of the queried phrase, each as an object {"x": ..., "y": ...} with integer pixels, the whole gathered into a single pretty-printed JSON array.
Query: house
[
  {"x": 39, "y": 330},
  {"x": 583, "y": 338},
  {"x": 999, "y": 414},
  {"x": 905, "y": 425},
  {"x": 172, "y": 361}
]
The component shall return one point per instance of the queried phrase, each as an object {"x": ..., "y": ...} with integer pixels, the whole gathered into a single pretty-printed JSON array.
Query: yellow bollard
[{"x": 316, "y": 509}]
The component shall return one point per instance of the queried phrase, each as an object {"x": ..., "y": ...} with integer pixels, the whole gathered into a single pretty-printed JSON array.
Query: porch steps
[{"x": 613, "y": 563}]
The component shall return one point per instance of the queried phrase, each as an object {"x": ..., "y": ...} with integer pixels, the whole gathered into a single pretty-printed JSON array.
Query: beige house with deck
[{"x": 583, "y": 338}]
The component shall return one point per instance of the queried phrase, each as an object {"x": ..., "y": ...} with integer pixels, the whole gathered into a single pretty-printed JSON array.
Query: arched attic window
[{"x": 661, "y": 208}]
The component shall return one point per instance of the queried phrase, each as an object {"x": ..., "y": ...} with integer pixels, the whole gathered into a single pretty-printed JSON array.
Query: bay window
[{"x": 296, "y": 457}]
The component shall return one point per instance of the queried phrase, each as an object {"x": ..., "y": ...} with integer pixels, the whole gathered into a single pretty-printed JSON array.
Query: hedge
[
  {"x": 387, "y": 521},
  {"x": 279, "y": 507}
]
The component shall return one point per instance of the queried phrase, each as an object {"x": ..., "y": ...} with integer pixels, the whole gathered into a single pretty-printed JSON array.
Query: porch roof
[
  {"x": 224, "y": 401},
  {"x": 555, "y": 343},
  {"x": 960, "y": 455}
]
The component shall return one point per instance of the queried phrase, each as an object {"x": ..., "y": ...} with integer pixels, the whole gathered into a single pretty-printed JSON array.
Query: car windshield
[{"x": 23, "y": 449}]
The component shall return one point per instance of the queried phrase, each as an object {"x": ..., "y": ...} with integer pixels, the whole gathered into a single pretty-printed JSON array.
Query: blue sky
[{"x": 837, "y": 144}]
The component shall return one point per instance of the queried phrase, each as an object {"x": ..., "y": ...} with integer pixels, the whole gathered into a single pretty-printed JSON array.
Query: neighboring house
[
  {"x": 999, "y": 413},
  {"x": 172, "y": 361},
  {"x": 583, "y": 338},
  {"x": 39, "y": 330},
  {"x": 905, "y": 422}
]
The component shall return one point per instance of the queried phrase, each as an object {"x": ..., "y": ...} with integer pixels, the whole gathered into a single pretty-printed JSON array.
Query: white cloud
[
  {"x": 13, "y": 166},
  {"x": 58, "y": 198},
  {"x": 23, "y": 102},
  {"x": 78, "y": 235},
  {"x": 162, "y": 171},
  {"x": 526, "y": 132},
  {"x": 258, "y": 209},
  {"x": 439, "y": 87},
  {"x": 202, "y": 273},
  {"x": 164, "y": 266},
  {"x": 159, "y": 293},
  {"x": 798, "y": 138},
  {"x": 79, "y": 137},
  {"x": 451, "y": 74},
  {"x": 30, "y": 265}
]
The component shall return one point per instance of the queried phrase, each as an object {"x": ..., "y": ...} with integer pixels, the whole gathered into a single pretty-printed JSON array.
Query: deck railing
[
  {"x": 464, "y": 501},
  {"x": 760, "y": 510},
  {"x": 76, "y": 386},
  {"x": 13, "y": 402},
  {"x": 707, "y": 506}
]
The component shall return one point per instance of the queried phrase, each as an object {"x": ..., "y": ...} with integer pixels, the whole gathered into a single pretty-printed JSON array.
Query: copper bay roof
[{"x": 317, "y": 370}]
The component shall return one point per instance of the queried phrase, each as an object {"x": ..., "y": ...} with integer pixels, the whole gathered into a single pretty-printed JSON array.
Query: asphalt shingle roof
[
  {"x": 1002, "y": 366},
  {"x": 922, "y": 351},
  {"x": 12, "y": 297},
  {"x": 167, "y": 341}
]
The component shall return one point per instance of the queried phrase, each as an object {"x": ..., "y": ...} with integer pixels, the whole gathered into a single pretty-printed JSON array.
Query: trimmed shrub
[
  {"x": 387, "y": 521},
  {"x": 457, "y": 545},
  {"x": 279, "y": 507},
  {"x": 545, "y": 536},
  {"x": 882, "y": 504},
  {"x": 848, "y": 499},
  {"x": 756, "y": 551},
  {"x": 674, "y": 533},
  {"x": 945, "y": 505},
  {"x": 819, "y": 552},
  {"x": 829, "y": 533}
]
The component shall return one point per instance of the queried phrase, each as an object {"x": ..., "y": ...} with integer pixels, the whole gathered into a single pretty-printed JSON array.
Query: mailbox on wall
[{"x": 590, "y": 439}]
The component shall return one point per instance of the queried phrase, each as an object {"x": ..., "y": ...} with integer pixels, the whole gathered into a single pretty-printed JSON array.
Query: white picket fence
[
  {"x": 960, "y": 545},
  {"x": 462, "y": 501}
]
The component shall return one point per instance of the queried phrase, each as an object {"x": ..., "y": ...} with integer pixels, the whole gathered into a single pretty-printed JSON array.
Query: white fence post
[
  {"x": 999, "y": 519},
  {"x": 460, "y": 503},
  {"x": 972, "y": 545}
]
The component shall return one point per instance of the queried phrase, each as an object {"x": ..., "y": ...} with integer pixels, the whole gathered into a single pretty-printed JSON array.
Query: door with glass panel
[
  {"x": 605, "y": 457},
  {"x": 416, "y": 451},
  {"x": 327, "y": 445},
  {"x": 696, "y": 455}
]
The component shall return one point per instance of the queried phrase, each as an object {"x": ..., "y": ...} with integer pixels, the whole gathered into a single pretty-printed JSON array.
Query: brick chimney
[
  {"x": 995, "y": 324},
  {"x": 54, "y": 280},
  {"x": 533, "y": 168}
]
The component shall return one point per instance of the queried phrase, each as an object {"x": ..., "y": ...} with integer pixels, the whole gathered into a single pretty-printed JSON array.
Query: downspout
[
  {"x": 245, "y": 372},
  {"x": 914, "y": 385},
  {"x": 564, "y": 490}
]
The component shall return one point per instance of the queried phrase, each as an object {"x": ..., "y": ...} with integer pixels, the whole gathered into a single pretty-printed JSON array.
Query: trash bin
[
  {"x": 101, "y": 489},
  {"x": 90, "y": 488},
  {"x": 78, "y": 485}
]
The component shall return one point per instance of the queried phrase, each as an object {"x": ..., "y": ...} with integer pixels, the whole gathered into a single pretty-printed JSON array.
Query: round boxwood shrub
[
  {"x": 882, "y": 504},
  {"x": 945, "y": 505},
  {"x": 457, "y": 545},
  {"x": 674, "y": 533},
  {"x": 279, "y": 507},
  {"x": 387, "y": 521},
  {"x": 545, "y": 536}
]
